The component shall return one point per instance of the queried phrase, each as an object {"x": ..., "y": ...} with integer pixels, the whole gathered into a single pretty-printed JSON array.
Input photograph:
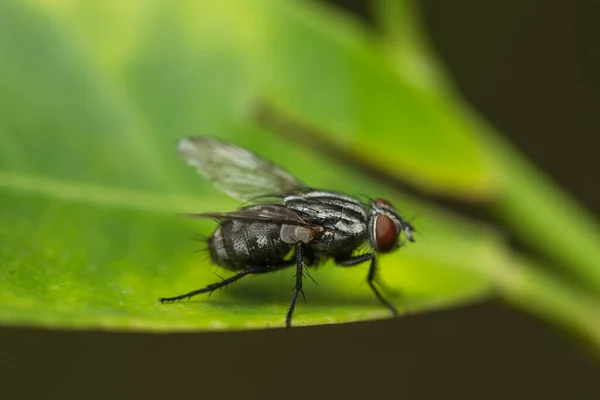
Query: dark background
[{"x": 533, "y": 69}]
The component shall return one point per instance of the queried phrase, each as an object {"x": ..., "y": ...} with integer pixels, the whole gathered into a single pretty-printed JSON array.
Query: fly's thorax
[
  {"x": 334, "y": 211},
  {"x": 343, "y": 220}
]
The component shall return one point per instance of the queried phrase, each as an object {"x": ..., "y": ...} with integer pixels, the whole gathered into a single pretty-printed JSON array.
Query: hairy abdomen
[{"x": 238, "y": 245}]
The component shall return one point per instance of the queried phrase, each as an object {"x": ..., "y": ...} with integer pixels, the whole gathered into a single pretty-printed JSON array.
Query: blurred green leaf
[
  {"x": 93, "y": 99},
  {"x": 177, "y": 69}
]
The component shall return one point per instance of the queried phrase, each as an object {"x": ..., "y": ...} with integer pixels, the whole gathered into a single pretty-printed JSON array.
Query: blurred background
[{"x": 532, "y": 69}]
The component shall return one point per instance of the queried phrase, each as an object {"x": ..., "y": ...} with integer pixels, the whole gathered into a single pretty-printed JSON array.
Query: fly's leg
[
  {"x": 352, "y": 261},
  {"x": 212, "y": 287},
  {"x": 298, "y": 287},
  {"x": 370, "y": 280}
]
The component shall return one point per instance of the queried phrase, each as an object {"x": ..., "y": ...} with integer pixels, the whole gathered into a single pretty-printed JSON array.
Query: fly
[{"x": 286, "y": 223}]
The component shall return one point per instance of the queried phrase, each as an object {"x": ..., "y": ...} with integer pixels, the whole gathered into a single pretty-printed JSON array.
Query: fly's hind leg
[
  {"x": 212, "y": 287},
  {"x": 352, "y": 261}
]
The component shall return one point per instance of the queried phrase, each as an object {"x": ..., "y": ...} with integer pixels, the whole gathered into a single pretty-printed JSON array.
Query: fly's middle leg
[
  {"x": 298, "y": 287},
  {"x": 352, "y": 261}
]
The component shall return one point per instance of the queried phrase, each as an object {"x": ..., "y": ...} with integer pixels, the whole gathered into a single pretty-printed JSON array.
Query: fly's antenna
[{"x": 415, "y": 230}]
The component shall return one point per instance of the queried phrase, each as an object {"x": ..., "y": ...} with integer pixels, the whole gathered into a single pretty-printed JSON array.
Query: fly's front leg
[
  {"x": 370, "y": 280},
  {"x": 352, "y": 261},
  {"x": 298, "y": 287}
]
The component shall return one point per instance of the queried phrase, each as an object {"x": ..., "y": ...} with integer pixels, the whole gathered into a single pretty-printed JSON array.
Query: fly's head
[{"x": 386, "y": 226}]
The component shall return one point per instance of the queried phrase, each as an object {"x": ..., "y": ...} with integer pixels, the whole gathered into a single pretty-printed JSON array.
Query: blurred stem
[
  {"x": 546, "y": 218},
  {"x": 524, "y": 284},
  {"x": 533, "y": 208}
]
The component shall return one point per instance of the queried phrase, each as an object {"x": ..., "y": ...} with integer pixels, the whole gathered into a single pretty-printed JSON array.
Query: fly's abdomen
[{"x": 238, "y": 245}]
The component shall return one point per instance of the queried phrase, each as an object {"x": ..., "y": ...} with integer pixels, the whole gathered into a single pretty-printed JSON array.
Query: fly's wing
[
  {"x": 235, "y": 171},
  {"x": 293, "y": 228},
  {"x": 264, "y": 213}
]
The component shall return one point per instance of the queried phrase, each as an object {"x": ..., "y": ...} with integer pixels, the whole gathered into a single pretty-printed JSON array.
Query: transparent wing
[
  {"x": 235, "y": 171},
  {"x": 264, "y": 212}
]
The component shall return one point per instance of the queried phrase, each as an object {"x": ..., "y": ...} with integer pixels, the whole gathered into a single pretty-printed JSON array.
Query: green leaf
[
  {"x": 95, "y": 96},
  {"x": 78, "y": 255},
  {"x": 93, "y": 99},
  {"x": 177, "y": 69}
]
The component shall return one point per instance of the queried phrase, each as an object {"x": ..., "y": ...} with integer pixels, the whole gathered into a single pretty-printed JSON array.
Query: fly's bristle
[
  {"x": 205, "y": 252},
  {"x": 366, "y": 199},
  {"x": 199, "y": 237},
  {"x": 205, "y": 240}
]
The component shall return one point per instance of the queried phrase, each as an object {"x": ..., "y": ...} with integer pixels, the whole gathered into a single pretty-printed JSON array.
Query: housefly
[{"x": 286, "y": 223}]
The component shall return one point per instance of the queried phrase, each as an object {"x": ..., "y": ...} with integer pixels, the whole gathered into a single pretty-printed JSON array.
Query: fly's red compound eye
[
  {"x": 383, "y": 202},
  {"x": 385, "y": 233}
]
